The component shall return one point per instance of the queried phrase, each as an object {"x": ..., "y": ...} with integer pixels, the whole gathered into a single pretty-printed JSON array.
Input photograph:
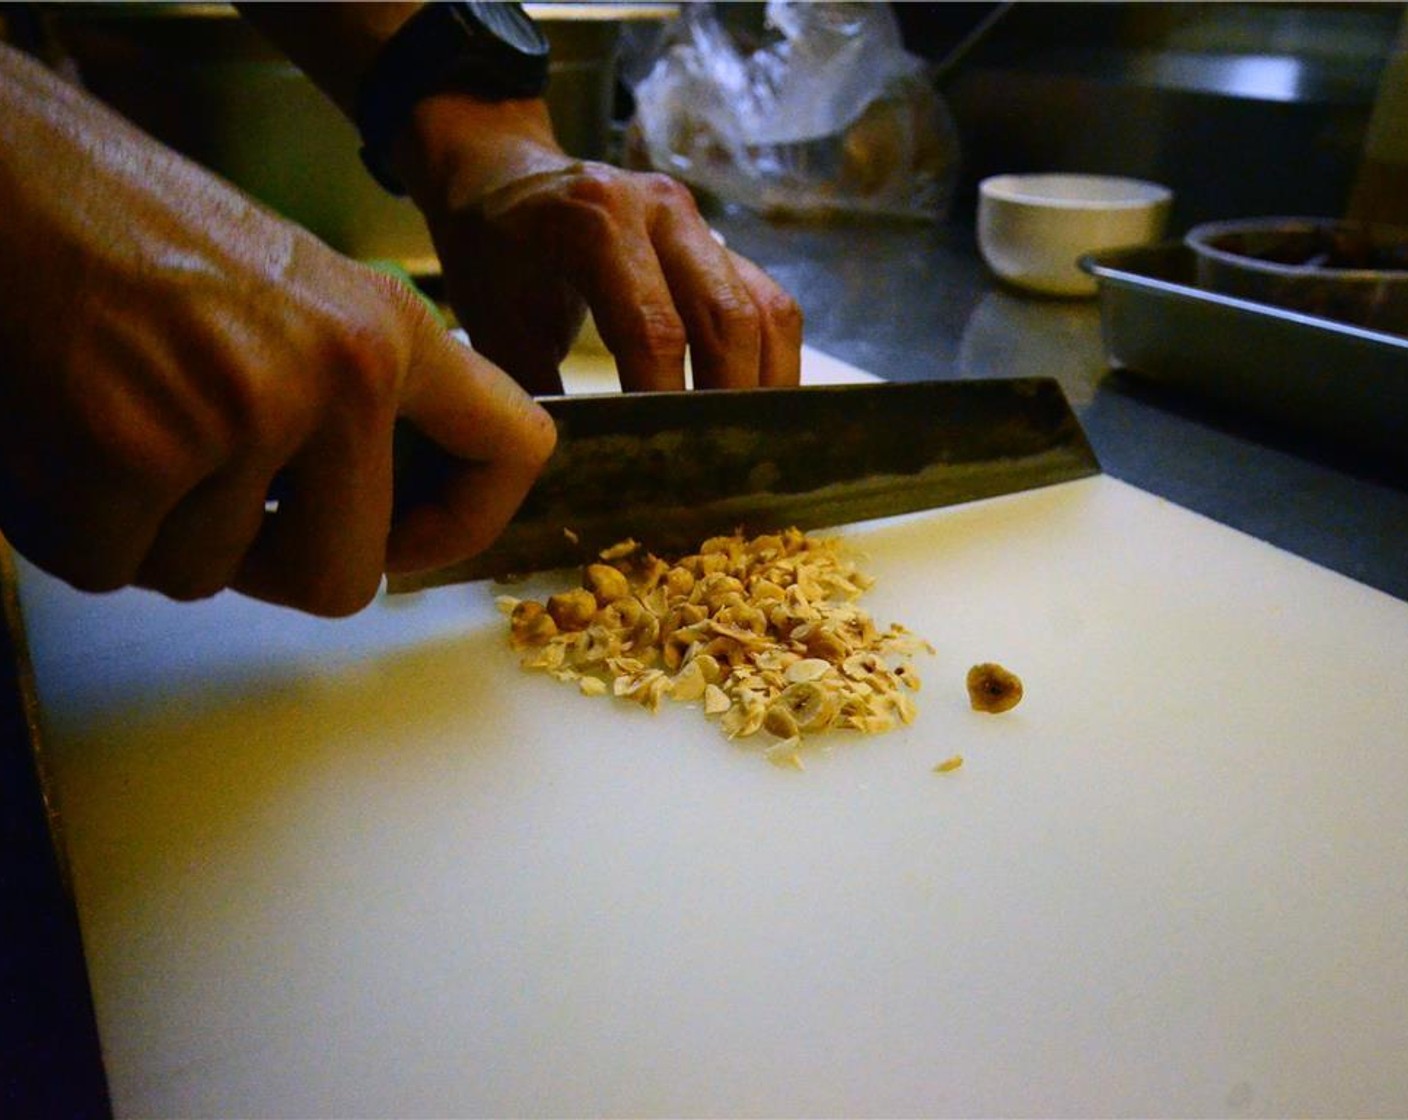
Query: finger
[
  {"x": 780, "y": 348},
  {"x": 202, "y": 542},
  {"x": 529, "y": 337},
  {"x": 90, "y": 537},
  {"x": 498, "y": 435},
  {"x": 324, "y": 550},
  {"x": 89, "y": 525},
  {"x": 633, "y": 306},
  {"x": 720, "y": 315},
  {"x": 535, "y": 372}
]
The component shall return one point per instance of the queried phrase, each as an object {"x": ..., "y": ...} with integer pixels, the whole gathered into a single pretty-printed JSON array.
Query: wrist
[
  {"x": 458, "y": 149},
  {"x": 490, "y": 51}
]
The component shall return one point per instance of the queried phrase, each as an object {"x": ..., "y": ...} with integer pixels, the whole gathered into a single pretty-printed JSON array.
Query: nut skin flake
[
  {"x": 762, "y": 634},
  {"x": 993, "y": 689}
]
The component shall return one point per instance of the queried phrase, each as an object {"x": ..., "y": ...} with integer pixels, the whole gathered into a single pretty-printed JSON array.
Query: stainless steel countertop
[{"x": 908, "y": 302}]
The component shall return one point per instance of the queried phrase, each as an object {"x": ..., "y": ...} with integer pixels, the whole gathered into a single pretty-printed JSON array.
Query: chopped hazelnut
[
  {"x": 764, "y": 631},
  {"x": 530, "y": 624},
  {"x": 572, "y": 610},
  {"x": 605, "y": 582},
  {"x": 991, "y": 688}
]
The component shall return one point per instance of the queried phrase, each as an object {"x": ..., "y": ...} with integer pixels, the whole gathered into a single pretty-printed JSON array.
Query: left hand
[{"x": 529, "y": 238}]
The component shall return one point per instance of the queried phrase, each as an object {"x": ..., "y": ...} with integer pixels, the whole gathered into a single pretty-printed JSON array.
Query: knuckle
[
  {"x": 666, "y": 189},
  {"x": 363, "y": 346},
  {"x": 783, "y": 313},
  {"x": 601, "y": 187},
  {"x": 366, "y": 365},
  {"x": 353, "y": 383},
  {"x": 152, "y": 466},
  {"x": 661, "y": 332},
  {"x": 594, "y": 186},
  {"x": 735, "y": 316},
  {"x": 254, "y": 410}
]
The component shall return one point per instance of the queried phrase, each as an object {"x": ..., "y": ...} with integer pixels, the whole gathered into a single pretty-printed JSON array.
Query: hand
[
  {"x": 528, "y": 237},
  {"x": 167, "y": 350}
]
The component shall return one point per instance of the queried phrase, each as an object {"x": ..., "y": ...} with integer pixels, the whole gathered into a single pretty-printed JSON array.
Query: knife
[{"x": 671, "y": 469}]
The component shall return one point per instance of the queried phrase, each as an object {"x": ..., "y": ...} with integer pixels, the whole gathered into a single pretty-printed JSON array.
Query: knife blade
[{"x": 671, "y": 469}]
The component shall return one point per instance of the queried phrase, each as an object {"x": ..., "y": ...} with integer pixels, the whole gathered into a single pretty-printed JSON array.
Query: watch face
[
  {"x": 500, "y": 52},
  {"x": 509, "y": 23}
]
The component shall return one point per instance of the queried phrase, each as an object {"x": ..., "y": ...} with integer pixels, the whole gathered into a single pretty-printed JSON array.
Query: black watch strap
[{"x": 491, "y": 50}]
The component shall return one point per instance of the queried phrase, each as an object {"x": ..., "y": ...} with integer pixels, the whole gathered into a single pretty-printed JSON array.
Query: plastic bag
[{"x": 828, "y": 114}]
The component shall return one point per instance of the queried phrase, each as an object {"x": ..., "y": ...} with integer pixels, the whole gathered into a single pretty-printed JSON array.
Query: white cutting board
[{"x": 371, "y": 868}]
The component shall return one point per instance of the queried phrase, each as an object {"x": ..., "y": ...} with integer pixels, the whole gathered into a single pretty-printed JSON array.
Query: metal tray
[{"x": 1312, "y": 376}]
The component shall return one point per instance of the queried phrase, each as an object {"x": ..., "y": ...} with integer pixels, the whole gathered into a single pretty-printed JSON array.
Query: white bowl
[{"x": 1033, "y": 229}]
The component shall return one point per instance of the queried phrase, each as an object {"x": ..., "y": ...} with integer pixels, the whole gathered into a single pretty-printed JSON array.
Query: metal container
[
  {"x": 203, "y": 81},
  {"x": 1334, "y": 382},
  {"x": 1354, "y": 272}
]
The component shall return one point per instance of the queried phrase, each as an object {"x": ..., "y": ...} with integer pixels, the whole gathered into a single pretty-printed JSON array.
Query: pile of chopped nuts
[{"x": 763, "y": 632}]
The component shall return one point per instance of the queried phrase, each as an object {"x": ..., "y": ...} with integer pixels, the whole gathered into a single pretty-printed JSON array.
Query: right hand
[{"x": 167, "y": 349}]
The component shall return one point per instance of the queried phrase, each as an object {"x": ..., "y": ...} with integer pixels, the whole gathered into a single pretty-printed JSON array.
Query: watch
[{"x": 491, "y": 50}]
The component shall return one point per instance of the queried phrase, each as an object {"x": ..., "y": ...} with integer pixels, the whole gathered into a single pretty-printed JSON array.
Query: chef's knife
[{"x": 670, "y": 469}]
